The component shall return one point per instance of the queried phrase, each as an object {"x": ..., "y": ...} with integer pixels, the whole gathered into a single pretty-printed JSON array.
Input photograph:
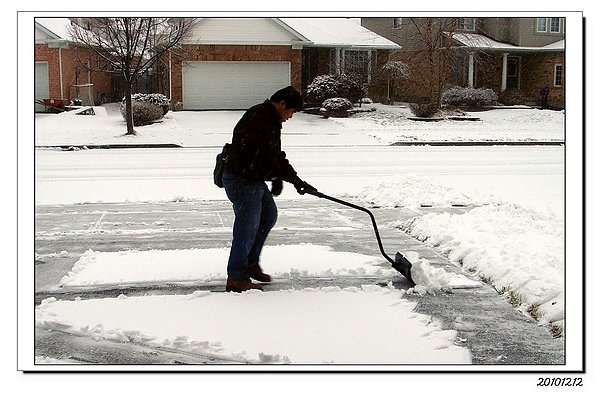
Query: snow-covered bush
[
  {"x": 351, "y": 88},
  {"x": 336, "y": 107},
  {"x": 144, "y": 112},
  {"x": 396, "y": 69},
  {"x": 144, "y": 107},
  {"x": 471, "y": 97},
  {"x": 337, "y": 104},
  {"x": 322, "y": 88},
  {"x": 155, "y": 98},
  {"x": 423, "y": 110}
]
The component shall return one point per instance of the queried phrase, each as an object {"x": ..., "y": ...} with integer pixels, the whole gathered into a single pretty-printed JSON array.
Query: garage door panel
[
  {"x": 42, "y": 86},
  {"x": 231, "y": 85}
]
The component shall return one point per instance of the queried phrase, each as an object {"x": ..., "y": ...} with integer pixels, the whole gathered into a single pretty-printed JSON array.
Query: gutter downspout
[
  {"x": 170, "y": 77},
  {"x": 60, "y": 72}
]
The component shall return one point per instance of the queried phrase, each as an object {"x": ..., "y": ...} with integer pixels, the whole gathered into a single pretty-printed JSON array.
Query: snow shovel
[{"x": 400, "y": 263}]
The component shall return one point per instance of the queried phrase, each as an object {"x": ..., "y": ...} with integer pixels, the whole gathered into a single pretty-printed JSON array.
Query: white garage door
[
  {"x": 42, "y": 87},
  {"x": 231, "y": 85}
]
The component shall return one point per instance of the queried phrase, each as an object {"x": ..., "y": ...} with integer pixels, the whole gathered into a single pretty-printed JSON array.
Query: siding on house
[
  {"x": 238, "y": 30},
  {"x": 536, "y": 63}
]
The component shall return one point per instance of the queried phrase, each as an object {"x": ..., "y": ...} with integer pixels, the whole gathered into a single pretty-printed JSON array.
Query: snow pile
[
  {"x": 309, "y": 326},
  {"x": 132, "y": 267},
  {"x": 429, "y": 279},
  {"x": 519, "y": 250},
  {"x": 413, "y": 191}
]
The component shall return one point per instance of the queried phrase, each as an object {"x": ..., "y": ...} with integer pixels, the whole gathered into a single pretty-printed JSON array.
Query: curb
[
  {"x": 478, "y": 143},
  {"x": 108, "y": 146}
]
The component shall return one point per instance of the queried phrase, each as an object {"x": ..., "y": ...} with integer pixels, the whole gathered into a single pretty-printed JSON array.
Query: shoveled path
[{"x": 494, "y": 331}]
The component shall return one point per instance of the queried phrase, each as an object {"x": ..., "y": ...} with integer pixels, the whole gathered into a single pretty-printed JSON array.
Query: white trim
[
  {"x": 537, "y": 25},
  {"x": 562, "y": 76},
  {"x": 560, "y": 27}
]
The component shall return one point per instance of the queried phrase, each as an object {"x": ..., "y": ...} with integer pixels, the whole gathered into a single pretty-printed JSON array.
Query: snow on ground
[
  {"x": 385, "y": 125},
  {"x": 196, "y": 266},
  {"x": 328, "y": 325},
  {"x": 519, "y": 250},
  {"x": 513, "y": 246},
  {"x": 390, "y": 124}
]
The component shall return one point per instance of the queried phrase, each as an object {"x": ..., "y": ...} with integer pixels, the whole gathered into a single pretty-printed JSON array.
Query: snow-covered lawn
[{"x": 519, "y": 248}]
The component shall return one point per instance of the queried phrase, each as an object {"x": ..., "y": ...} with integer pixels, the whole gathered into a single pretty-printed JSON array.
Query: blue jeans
[{"x": 255, "y": 215}]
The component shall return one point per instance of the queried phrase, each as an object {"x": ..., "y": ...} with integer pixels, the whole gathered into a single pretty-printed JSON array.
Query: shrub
[
  {"x": 337, "y": 107},
  {"x": 155, "y": 98},
  {"x": 423, "y": 110},
  {"x": 144, "y": 107},
  {"x": 471, "y": 97},
  {"x": 322, "y": 88},
  {"x": 337, "y": 104},
  {"x": 350, "y": 88},
  {"x": 144, "y": 112}
]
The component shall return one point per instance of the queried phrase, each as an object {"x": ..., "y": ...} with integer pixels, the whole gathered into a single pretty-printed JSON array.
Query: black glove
[
  {"x": 302, "y": 187},
  {"x": 276, "y": 186}
]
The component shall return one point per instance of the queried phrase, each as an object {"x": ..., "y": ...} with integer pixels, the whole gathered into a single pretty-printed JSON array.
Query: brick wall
[
  {"x": 537, "y": 71},
  {"x": 70, "y": 58},
  {"x": 235, "y": 53},
  {"x": 426, "y": 76}
]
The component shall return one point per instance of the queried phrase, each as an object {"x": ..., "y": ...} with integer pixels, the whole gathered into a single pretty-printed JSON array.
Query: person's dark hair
[{"x": 291, "y": 96}]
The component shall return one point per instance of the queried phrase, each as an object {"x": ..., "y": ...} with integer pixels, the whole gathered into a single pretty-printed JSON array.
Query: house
[
  {"x": 63, "y": 69},
  {"x": 224, "y": 63},
  {"x": 515, "y": 57},
  {"x": 233, "y": 63}
]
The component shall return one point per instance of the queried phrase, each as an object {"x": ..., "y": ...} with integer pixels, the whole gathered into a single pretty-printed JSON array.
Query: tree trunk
[{"x": 128, "y": 109}]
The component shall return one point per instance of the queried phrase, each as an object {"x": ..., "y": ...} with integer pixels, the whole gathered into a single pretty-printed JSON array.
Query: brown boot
[
  {"x": 256, "y": 273},
  {"x": 241, "y": 285}
]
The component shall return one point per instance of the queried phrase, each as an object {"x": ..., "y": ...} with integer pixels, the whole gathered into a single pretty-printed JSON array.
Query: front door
[{"x": 513, "y": 72}]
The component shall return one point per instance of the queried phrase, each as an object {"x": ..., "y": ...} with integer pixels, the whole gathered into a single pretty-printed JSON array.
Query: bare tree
[
  {"x": 394, "y": 70},
  {"x": 431, "y": 38},
  {"x": 129, "y": 46}
]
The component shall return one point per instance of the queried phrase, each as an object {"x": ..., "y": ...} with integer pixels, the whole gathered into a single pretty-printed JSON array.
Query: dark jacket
[{"x": 256, "y": 153}]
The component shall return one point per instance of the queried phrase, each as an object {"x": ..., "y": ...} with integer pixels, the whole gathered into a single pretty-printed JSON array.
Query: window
[
  {"x": 554, "y": 25},
  {"x": 541, "y": 25},
  {"x": 558, "y": 75},
  {"x": 397, "y": 23},
  {"x": 467, "y": 24},
  {"x": 356, "y": 65}
]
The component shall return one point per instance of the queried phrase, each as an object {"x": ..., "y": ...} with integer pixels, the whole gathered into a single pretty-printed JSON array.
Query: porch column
[
  {"x": 471, "y": 69},
  {"x": 338, "y": 61},
  {"x": 504, "y": 71}
]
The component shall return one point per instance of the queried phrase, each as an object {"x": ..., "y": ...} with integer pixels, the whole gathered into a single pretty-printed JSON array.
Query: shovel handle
[{"x": 348, "y": 204}]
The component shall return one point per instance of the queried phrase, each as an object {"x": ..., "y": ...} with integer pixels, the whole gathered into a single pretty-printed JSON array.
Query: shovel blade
[{"x": 402, "y": 265}]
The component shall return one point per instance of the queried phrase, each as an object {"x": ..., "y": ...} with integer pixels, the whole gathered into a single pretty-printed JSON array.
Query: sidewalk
[{"x": 494, "y": 331}]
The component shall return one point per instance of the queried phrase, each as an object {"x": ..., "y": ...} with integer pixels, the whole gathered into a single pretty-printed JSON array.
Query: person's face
[{"x": 284, "y": 113}]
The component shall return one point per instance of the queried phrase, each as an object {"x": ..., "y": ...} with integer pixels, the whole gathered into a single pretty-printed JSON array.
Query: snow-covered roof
[
  {"x": 57, "y": 26},
  {"x": 323, "y": 32},
  {"x": 338, "y": 32},
  {"x": 478, "y": 41},
  {"x": 556, "y": 45}
]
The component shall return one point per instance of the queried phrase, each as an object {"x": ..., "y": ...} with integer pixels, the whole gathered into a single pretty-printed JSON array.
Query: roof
[
  {"x": 321, "y": 32},
  {"x": 337, "y": 32},
  {"x": 478, "y": 41},
  {"x": 56, "y": 26}
]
